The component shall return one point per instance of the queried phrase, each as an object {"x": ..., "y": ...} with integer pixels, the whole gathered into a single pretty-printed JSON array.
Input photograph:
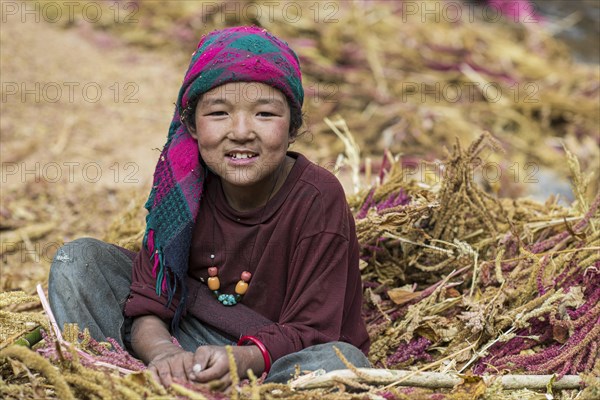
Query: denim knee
[
  {"x": 352, "y": 353},
  {"x": 71, "y": 258},
  {"x": 321, "y": 356},
  {"x": 88, "y": 285}
]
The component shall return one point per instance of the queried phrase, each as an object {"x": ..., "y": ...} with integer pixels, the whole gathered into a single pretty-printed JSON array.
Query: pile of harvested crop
[
  {"x": 460, "y": 281},
  {"x": 456, "y": 281}
]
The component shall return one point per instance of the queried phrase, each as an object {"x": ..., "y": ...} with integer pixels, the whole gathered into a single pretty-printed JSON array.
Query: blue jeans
[{"x": 89, "y": 284}]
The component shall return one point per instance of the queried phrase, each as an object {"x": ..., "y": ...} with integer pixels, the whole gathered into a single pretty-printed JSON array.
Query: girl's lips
[{"x": 241, "y": 161}]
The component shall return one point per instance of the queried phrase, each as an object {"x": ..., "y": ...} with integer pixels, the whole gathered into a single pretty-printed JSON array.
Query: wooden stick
[
  {"x": 46, "y": 306},
  {"x": 430, "y": 365},
  {"x": 432, "y": 380}
]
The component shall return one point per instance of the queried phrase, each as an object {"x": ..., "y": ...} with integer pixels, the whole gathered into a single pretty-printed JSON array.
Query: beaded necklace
[{"x": 213, "y": 272}]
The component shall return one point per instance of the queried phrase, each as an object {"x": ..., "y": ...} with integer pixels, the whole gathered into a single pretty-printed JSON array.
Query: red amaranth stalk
[
  {"x": 511, "y": 245},
  {"x": 48, "y": 348},
  {"x": 414, "y": 350},
  {"x": 122, "y": 357},
  {"x": 567, "y": 366},
  {"x": 394, "y": 200},
  {"x": 547, "y": 360},
  {"x": 364, "y": 209},
  {"x": 586, "y": 318},
  {"x": 576, "y": 343},
  {"x": 387, "y": 395},
  {"x": 576, "y": 363},
  {"x": 540, "y": 275},
  {"x": 502, "y": 354},
  {"x": 593, "y": 299},
  {"x": 574, "y": 278},
  {"x": 371, "y": 285},
  {"x": 508, "y": 266},
  {"x": 521, "y": 342},
  {"x": 385, "y": 165},
  {"x": 118, "y": 356},
  {"x": 568, "y": 269},
  {"x": 399, "y": 313},
  {"x": 373, "y": 249},
  {"x": 592, "y": 354},
  {"x": 554, "y": 240}
]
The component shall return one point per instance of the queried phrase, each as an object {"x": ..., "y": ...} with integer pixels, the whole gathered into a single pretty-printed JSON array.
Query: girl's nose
[{"x": 242, "y": 128}]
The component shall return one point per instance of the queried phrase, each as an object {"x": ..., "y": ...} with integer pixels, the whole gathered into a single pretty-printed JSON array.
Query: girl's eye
[
  {"x": 265, "y": 114},
  {"x": 217, "y": 113}
]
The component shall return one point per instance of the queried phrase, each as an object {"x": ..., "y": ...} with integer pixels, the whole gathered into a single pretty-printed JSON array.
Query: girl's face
[{"x": 242, "y": 130}]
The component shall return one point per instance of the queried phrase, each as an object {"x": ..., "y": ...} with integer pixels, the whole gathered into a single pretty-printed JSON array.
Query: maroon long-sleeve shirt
[{"x": 301, "y": 249}]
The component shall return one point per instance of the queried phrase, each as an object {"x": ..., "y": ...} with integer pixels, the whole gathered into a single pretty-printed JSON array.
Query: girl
[{"x": 246, "y": 242}]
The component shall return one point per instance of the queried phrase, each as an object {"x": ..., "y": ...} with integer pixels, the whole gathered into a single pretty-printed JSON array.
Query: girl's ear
[{"x": 191, "y": 129}]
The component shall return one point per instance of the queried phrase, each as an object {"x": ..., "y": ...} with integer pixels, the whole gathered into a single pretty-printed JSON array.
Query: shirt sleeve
[{"x": 143, "y": 299}]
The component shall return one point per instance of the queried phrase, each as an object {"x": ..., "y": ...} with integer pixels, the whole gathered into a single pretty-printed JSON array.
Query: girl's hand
[
  {"x": 171, "y": 364},
  {"x": 214, "y": 363}
]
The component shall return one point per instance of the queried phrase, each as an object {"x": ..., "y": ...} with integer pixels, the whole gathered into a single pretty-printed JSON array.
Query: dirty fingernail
[{"x": 197, "y": 368}]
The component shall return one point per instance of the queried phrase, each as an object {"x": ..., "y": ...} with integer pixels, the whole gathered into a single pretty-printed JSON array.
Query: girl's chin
[{"x": 248, "y": 180}]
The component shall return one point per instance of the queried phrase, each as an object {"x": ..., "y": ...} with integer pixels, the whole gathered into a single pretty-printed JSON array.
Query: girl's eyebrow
[
  {"x": 270, "y": 100},
  {"x": 210, "y": 102}
]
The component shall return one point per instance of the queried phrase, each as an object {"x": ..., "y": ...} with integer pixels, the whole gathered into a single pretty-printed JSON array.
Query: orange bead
[
  {"x": 241, "y": 288},
  {"x": 213, "y": 283}
]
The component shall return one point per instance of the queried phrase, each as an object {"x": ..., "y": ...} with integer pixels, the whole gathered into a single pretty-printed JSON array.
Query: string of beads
[{"x": 226, "y": 299}]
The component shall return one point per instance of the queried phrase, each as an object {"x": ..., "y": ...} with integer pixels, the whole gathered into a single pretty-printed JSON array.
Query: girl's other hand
[
  {"x": 171, "y": 365},
  {"x": 213, "y": 364}
]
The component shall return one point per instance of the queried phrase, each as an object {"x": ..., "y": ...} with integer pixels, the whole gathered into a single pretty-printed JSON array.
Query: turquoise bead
[{"x": 227, "y": 299}]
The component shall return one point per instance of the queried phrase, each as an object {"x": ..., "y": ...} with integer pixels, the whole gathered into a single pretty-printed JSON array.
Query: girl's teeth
[{"x": 242, "y": 156}]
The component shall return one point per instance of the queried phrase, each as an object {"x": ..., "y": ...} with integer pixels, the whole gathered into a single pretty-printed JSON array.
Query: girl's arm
[
  {"x": 150, "y": 337},
  {"x": 151, "y": 341}
]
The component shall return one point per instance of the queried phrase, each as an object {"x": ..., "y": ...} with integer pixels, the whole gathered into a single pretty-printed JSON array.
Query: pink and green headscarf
[{"x": 239, "y": 54}]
